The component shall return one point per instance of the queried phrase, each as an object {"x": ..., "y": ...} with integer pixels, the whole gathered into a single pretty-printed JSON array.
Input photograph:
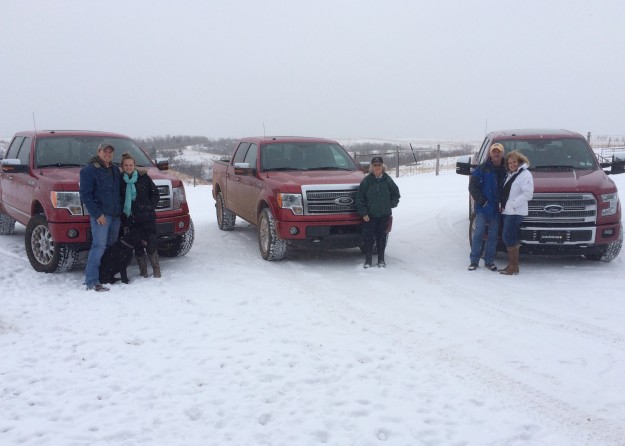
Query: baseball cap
[
  {"x": 377, "y": 159},
  {"x": 105, "y": 145},
  {"x": 497, "y": 146}
]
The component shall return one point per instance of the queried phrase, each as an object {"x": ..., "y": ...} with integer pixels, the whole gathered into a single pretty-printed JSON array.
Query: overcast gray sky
[{"x": 333, "y": 68}]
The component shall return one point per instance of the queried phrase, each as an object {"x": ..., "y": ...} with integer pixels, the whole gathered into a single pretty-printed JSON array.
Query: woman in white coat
[{"x": 518, "y": 190}]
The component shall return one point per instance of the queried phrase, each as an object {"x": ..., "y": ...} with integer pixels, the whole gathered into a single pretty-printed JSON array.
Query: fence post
[
  {"x": 438, "y": 158},
  {"x": 397, "y": 158}
]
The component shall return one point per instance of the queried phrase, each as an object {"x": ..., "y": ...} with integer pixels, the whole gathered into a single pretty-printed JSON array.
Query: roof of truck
[
  {"x": 534, "y": 134},
  {"x": 45, "y": 133},
  {"x": 272, "y": 139}
]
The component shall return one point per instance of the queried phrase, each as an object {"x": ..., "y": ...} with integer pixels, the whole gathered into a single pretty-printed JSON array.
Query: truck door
[
  {"x": 233, "y": 180},
  {"x": 249, "y": 186},
  {"x": 17, "y": 186}
]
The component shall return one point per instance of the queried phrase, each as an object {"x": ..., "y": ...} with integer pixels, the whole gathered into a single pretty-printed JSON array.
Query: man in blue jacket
[
  {"x": 485, "y": 187},
  {"x": 100, "y": 183}
]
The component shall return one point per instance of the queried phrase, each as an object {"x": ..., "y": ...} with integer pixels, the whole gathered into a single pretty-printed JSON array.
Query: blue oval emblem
[
  {"x": 344, "y": 201},
  {"x": 553, "y": 209}
]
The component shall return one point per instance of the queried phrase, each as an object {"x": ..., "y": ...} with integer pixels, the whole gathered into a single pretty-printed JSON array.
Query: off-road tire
[
  {"x": 179, "y": 246},
  {"x": 270, "y": 245},
  {"x": 225, "y": 217},
  {"x": 611, "y": 252},
  {"x": 44, "y": 255},
  {"x": 7, "y": 225}
]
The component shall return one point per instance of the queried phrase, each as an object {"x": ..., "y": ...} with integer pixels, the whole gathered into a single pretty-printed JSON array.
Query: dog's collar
[{"x": 126, "y": 243}]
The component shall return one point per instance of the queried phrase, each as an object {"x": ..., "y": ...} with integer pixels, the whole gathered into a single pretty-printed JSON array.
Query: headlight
[
  {"x": 67, "y": 200},
  {"x": 292, "y": 202},
  {"x": 612, "y": 201},
  {"x": 179, "y": 197}
]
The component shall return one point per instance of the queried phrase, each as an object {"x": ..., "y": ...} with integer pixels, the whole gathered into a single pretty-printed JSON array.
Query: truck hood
[
  {"x": 298, "y": 178},
  {"x": 67, "y": 178},
  {"x": 594, "y": 181}
]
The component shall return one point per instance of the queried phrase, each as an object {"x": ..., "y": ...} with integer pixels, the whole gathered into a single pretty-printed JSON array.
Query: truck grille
[
  {"x": 165, "y": 192},
  {"x": 329, "y": 199},
  {"x": 562, "y": 209}
]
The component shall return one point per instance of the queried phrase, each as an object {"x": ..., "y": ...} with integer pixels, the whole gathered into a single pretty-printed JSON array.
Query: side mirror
[
  {"x": 12, "y": 165},
  {"x": 244, "y": 169},
  {"x": 364, "y": 167},
  {"x": 463, "y": 165},
  {"x": 617, "y": 165},
  {"x": 162, "y": 163}
]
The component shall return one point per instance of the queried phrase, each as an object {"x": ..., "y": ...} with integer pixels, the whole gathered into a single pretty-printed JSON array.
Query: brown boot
[
  {"x": 143, "y": 266},
  {"x": 513, "y": 261},
  {"x": 156, "y": 266}
]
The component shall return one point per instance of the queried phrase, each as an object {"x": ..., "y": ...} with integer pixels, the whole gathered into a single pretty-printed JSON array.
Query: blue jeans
[
  {"x": 102, "y": 236},
  {"x": 490, "y": 248},
  {"x": 511, "y": 229}
]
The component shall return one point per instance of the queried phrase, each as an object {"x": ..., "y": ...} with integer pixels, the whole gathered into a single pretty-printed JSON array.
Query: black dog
[{"x": 116, "y": 259}]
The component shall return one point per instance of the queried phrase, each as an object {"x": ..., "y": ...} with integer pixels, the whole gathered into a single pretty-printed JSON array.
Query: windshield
[
  {"x": 565, "y": 153},
  {"x": 305, "y": 156},
  {"x": 62, "y": 151}
]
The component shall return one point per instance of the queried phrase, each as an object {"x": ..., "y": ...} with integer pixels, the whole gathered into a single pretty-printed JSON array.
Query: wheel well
[{"x": 37, "y": 208}]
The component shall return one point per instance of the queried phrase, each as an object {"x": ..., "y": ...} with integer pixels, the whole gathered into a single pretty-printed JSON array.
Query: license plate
[{"x": 552, "y": 237}]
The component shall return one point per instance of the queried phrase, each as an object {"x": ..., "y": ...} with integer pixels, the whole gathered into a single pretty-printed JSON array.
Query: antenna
[
  {"x": 34, "y": 122},
  {"x": 264, "y": 129}
]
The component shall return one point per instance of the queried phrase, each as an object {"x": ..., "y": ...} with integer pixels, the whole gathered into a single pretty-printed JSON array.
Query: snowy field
[{"x": 228, "y": 349}]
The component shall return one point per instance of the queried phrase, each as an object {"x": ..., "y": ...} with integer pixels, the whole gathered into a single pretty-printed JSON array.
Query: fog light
[
  {"x": 608, "y": 232},
  {"x": 72, "y": 233},
  {"x": 293, "y": 230},
  {"x": 180, "y": 224}
]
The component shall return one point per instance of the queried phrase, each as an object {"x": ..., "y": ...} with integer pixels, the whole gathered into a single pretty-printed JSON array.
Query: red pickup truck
[
  {"x": 39, "y": 188},
  {"x": 575, "y": 209},
  {"x": 297, "y": 191}
]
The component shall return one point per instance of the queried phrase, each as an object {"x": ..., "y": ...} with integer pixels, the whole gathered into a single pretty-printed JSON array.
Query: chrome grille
[
  {"x": 165, "y": 192},
  {"x": 329, "y": 199},
  {"x": 562, "y": 209}
]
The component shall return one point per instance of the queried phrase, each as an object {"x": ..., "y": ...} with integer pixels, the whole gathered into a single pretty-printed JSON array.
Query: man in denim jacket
[
  {"x": 100, "y": 182},
  {"x": 485, "y": 186}
]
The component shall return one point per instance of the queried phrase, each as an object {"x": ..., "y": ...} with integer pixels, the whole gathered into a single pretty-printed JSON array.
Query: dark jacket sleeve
[
  {"x": 475, "y": 188},
  {"x": 361, "y": 198},
  {"x": 394, "y": 193},
  {"x": 87, "y": 191},
  {"x": 154, "y": 194}
]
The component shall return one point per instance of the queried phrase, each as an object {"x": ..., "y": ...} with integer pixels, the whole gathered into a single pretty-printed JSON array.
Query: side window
[
  {"x": 482, "y": 155},
  {"x": 24, "y": 153},
  {"x": 252, "y": 155},
  {"x": 239, "y": 156},
  {"x": 14, "y": 147}
]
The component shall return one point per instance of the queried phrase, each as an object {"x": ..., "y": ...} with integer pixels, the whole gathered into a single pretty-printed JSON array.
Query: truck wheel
[
  {"x": 271, "y": 246},
  {"x": 179, "y": 246},
  {"x": 225, "y": 217},
  {"x": 44, "y": 255},
  {"x": 611, "y": 253},
  {"x": 7, "y": 225}
]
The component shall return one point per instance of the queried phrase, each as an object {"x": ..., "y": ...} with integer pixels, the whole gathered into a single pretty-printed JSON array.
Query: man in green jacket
[{"x": 376, "y": 196}]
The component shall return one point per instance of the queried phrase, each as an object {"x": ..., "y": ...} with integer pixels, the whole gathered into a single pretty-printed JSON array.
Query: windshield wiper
[
  {"x": 552, "y": 167},
  {"x": 328, "y": 168},
  {"x": 60, "y": 165},
  {"x": 275, "y": 169}
]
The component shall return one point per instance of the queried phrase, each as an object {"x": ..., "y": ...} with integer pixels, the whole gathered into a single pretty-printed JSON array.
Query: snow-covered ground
[{"x": 228, "y": 349}]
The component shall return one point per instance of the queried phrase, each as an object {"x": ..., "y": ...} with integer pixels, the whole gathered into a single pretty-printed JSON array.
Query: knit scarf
[{"x": 131, "y": 192}]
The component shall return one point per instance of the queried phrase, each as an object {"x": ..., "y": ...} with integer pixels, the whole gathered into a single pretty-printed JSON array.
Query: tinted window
[
  {"x": 305, "y": 156},
  {"x": 239, "y": 156},
  {"x": 78, "y": 150},
  {"x": 252, "y": 155},
  {"x": 14, "y": 147},
  {"x": 24, "y": 153},
  {"x": 563, "y": 152}
]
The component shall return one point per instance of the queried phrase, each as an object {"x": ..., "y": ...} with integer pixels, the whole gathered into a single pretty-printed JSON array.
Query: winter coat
[
  {"x": 99, "y": 188},
  {"x": 376, "y": 196},
  {"x": 521, "y": 192},
  {"x": 144, "y": 205},
  {"x": 485, "y": 186}
]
